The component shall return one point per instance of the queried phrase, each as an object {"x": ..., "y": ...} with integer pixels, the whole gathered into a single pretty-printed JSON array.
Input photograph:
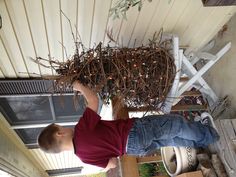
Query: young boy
[{"x": 99, "y": 142}]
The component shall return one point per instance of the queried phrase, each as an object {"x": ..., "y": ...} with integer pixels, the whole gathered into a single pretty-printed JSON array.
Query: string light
[{"x": 126, "y": 72}]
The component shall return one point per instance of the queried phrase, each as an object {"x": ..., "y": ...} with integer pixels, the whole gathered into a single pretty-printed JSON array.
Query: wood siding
[{"x": 38, "y": 28}]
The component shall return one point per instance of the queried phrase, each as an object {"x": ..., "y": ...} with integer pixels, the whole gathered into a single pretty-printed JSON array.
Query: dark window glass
[
  {"x": 30, "y": 135},
  {"x": 68, "y": 106},
  {"x": 26, "y": 109}
]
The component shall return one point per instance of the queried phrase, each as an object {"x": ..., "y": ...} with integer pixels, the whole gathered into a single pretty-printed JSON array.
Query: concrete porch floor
[{"x": 221, "y": 77}]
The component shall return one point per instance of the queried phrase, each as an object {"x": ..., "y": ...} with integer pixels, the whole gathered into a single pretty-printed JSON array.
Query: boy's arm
[
  {"x": 111, "y": 164},
  {"x": 89, "y": 95}
]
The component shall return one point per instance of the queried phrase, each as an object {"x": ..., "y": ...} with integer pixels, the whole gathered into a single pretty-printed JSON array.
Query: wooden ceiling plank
[
  {"x": 128, "y": 26},
  {"x": 143, "y": 22},
  {"x": 38, "y": 36},
  {"x": 70, "y": 159},
  {"x": 53, "y": 158},
  {"x": 69, "y": 22},
  {"x": 32, "y": 40},
  {"x": 185, "y": 18},
  {"x": 10, "y": 44},
  {"x": 85, "y": 20},
  {"x": 195, "y": 24},
  {"x": 218, "y": 27},
  {"x": 92, "y": 21},
  {"x": 211, "y": 20},
  {"x": 162, "y": 11},
  {"x": 7, "y": 66},
  {"x": 132, "y": 33},
  {"x": 63, "y": 160},
  {"x": 119, "y": 37},
  {"x": 113, "y": 27},
  {"x": 100, "y": 21},
  {"x": 2, "y": 76},
  {"x": 44, "y": 159},
  {"x": 41, "y": 158},
  {"x": 63, "y": 49},
  {"x": 46, "y": 33},
  {"x": 106, "y": 26},
  {"x": 48, "y": 160},
  {"x": 77, "y": 17},
  {"x": 13, "y": 26},
  {"x": 215, "y": 21},
  {"x": 175, "y": 13},
  {"x": 34, "y": 154}
]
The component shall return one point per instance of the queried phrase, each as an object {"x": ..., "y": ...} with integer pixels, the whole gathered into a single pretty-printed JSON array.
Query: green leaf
[
  {"x": 122, "y": 6},
  {"x": 135, "y": 3},
  {"x": 140, "y": 5}
]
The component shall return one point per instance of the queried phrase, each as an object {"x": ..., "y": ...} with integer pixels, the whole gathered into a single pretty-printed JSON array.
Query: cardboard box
[{"x": 191, "y": 174}]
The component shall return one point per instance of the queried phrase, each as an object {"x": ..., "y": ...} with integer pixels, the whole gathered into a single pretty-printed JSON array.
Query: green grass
[{"x": 152, "y": 169}]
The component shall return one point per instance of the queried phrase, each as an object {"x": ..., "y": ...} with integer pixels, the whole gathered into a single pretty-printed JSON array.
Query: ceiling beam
[
  {"x": 64, "y": 171},
  {"x": 40, "y": 125}
]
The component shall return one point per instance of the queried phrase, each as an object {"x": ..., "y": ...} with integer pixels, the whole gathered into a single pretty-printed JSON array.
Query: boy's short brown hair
[{"x": 47, "y": 140}]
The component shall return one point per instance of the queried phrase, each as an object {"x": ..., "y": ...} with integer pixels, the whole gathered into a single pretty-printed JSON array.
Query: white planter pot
[{"x": 178, "y": 159}]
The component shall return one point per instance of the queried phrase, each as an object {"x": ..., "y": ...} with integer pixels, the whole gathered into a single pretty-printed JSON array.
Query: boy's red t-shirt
[{"x": 96, "y": 141}]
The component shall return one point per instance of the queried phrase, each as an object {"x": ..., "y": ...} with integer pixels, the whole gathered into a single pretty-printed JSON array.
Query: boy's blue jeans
[{"x": 153, "y": 132}]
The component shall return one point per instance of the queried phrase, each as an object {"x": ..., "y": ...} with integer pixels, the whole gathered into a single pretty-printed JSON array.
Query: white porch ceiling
[
  {"x": 33, "y": 28},
  {"x": 37, "y": 28},
  {"x": 62, "y": 160}
]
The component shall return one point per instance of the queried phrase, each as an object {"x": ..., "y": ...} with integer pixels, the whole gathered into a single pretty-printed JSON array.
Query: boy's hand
[
  {"x": 111, "y": 164},
  {"x": 77, "y": 85},
  {"x": 89, "y": 95}
]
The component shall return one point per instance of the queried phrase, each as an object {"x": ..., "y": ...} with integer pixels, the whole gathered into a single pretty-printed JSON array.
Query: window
[
  {"x": 24, "y": 109},
  {"x": 28, "y": 115}
]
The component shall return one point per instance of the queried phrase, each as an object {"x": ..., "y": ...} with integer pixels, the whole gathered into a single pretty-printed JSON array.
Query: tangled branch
[{"x": 141, "y": 76}]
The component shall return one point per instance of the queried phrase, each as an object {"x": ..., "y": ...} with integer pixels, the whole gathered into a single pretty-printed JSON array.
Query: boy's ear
[{"x": 60, "y": 133}]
